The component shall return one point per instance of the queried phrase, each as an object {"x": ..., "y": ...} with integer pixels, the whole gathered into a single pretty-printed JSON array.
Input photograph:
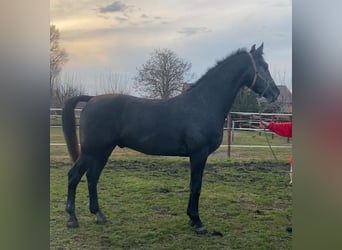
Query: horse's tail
[{"x": 69, "y": 124}]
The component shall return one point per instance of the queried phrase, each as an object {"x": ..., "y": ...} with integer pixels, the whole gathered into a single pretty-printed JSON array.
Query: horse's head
[{"x": 262, "y": 82}]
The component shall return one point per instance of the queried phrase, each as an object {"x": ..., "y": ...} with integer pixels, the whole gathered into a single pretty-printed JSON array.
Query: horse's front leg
[{"x": 197, "y": 162}]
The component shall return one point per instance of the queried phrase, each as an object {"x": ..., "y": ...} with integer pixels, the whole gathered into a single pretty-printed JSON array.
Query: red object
[{"x": 281, "y": 128}]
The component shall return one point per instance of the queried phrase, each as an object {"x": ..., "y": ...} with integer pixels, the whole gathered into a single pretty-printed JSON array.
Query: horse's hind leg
[
  {"x": 74, "y": 176},
  {"x": 93, "y": 175}
]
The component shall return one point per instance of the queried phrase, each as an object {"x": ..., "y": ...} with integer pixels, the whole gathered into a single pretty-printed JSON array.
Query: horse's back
[{"x": 142, "y": 124}]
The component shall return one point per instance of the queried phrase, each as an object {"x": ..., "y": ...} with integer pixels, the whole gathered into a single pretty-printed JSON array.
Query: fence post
[{"x": 229, "y": 133}]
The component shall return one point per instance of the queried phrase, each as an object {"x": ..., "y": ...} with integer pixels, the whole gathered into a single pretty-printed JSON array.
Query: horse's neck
[{"x": 219, "y": 89}]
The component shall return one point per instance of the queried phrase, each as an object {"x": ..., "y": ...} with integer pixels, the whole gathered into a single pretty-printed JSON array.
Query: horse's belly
[{"x": 157, "y": 145}]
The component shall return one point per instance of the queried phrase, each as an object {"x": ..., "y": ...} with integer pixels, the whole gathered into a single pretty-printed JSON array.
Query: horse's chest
[
  {"x": 215, "y": 141},
  {"x": 209, "y": 138}
]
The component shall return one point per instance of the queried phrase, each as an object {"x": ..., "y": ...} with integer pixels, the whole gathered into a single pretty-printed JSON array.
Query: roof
[
  {"x": 187, "y": 86},
  {"x": 285, "y": 95}
]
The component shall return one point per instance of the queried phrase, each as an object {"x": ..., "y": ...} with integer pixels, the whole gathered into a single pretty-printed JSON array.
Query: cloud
[
  {"x": 121, "y": 19},
  {"x": 144, "y": 16},
  {"x": 116, "y": 6},
  {"x": 103, "y": 34},
  {"x": 188, "y": 31}
]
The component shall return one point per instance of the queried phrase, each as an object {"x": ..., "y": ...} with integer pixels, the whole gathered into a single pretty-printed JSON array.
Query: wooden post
[
  {"x": 232, "y": 129},
  {"x": 229, "y": 133}
]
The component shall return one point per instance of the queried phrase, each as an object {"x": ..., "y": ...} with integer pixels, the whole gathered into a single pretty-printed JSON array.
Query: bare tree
[
  {"x": 280, "y": 78},
  {"x": 69, "y": 87},
  {"x": 111, "y": 82},
  {"x": 58, "y": 57},
  {"x": 163, "y": 75}
]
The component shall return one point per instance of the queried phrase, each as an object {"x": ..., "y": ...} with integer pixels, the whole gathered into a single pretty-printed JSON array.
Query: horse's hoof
[
  {"x": 101, "y": 221},
  {"x": 201, "y": 230},
  {"x": 191, "y": 223},
  {"x": 72, "y": 224},
  {"x": 100, "y": 218}
]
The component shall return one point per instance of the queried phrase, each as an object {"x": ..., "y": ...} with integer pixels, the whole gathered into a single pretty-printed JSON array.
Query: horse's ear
[
  {"x": 252, "y": 49},
  {"x": 260, "y": 49}
]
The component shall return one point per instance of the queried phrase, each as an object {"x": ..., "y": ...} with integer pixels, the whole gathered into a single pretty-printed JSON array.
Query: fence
[
  {"x": 235, "y": 121},
  {"x": 249, "y": 122}
]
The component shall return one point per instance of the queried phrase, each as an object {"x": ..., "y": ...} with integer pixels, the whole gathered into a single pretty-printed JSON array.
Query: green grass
[
  {"x": 246, "y": 198},
  {"x": 145, "y": 201}
]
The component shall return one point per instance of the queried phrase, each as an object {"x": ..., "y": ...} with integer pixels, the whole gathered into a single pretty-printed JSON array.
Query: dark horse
[{"x": 190, "y": 124}]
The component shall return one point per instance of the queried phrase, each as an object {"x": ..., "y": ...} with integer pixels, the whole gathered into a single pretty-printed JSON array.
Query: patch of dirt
[
  {"x": 105, "y": 241},
  {"x": 60, "y": 164},
  {"x": 163, "y": 211}
]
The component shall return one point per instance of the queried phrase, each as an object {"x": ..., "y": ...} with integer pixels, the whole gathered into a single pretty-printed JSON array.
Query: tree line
[{"x": 163, "y": 76}]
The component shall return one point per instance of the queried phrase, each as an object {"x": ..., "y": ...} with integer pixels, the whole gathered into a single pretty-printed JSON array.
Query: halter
[{"x": 256, "y": 75}]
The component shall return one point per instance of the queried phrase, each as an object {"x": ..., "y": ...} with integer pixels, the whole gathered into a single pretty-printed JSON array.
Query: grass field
[{"x": 246, "y": 198}]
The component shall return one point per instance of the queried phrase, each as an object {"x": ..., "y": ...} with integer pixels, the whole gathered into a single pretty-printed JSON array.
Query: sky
[{"x": 106, "y": 36}]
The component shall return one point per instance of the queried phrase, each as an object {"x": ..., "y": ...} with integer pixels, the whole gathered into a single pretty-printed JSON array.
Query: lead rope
[
  {"x": 268, "y": 142},
  {"x": 269, "y": 145}
]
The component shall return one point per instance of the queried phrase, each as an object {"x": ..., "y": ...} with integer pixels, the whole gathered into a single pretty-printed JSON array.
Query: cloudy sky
[{"x": 118, "y": 36}]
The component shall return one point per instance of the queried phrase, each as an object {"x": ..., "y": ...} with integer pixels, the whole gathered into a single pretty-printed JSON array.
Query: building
[{"x": 284, "y": 99}]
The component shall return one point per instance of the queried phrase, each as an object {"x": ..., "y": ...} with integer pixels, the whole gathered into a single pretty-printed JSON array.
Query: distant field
[{"x": 247, "y": 138}]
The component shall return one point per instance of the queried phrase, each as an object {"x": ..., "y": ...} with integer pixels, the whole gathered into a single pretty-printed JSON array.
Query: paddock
[
  {"x": 240, "y": 141},
  {"x": 246, "y": 200}
]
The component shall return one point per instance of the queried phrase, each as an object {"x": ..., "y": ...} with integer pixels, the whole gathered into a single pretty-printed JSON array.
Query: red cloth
[{"x": 281, "y": 128}]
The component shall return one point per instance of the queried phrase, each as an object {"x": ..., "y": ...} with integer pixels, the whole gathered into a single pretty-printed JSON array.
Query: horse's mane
[{"x": 218, "y": 64}]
